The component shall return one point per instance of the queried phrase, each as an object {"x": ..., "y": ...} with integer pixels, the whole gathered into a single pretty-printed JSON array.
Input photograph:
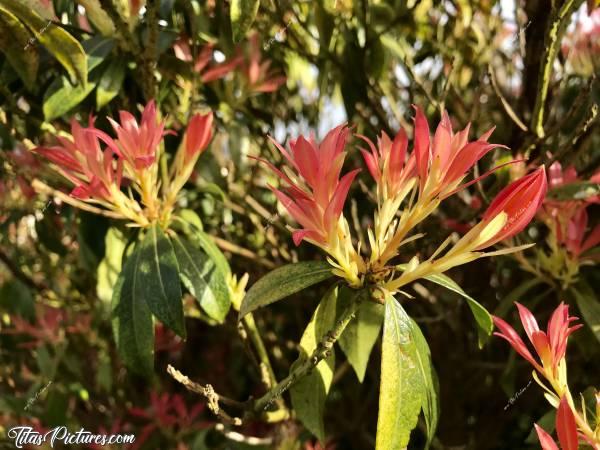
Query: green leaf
[
  {"x": 309, "y": 393},
  {"x": 579, "y": 190},
  {"x": 208, "y": 245},
  {"x": 158, "y": 276},
  {"x": 201, "y": 277},
  {"x": 62, "y": 96},
  {"x": 97, "y": 49},
  {"x": 588, "y": 306},
  {"x": 15, "y": 44},
  {"x": 481, "y": 315},
  {"x": 360, "y": 335},
  {"x": 110, "y": 267},
  {"x": 431, "y": 402},
  {"x": 98, "y": 17},
  {"x": 132, "y": 319},
  {"x": 110, "y": 83},
  {"x": 242, "y": 13},
  {"x": 64, "y": 47},
  {"x": 401, "y": 389},
  {"x": 283, "y": 282}
]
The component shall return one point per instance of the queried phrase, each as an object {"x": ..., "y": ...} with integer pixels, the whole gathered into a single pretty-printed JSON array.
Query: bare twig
[
  {"x": 509, "y": 111},
  {"x": 209, "y": 393}
]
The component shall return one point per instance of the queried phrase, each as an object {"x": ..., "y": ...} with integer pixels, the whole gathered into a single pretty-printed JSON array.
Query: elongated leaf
[
  {"x": 283, "y": 282},
  {"x": 97, "y": 49},
  {"x": 110, "y": 267},
  {"x": 110, "y": 82},
  {"x": 309, "y": 393},
  {"x": 201, "y": 277},
  {"x": 401, "y": 388},
  {"x": 589, "y": 306},
  {"x": 482, "y": 316},
  {"x": 242, "y": 13},
  {"x": 360, "y": 334},
  {"x": 208, "y": 245},
  {"x": 98, "y": 16},
  {"x": 158, "y": 274},
  {"x": 15, "y": 44},
  {"x": 132, "y": 320},
  {"x": 62, "y": 96},
  {"x": 64, "y": 47},
  {"x": 431, "y": 402}
]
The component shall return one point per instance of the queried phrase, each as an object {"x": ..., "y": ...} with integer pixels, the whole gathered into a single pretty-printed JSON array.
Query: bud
[
  {"x": 198, "y": 135},
  {"x": 519, "y": 201}
]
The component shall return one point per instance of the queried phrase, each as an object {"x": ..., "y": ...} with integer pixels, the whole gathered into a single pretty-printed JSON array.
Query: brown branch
[{"x": 209, "y": 393}]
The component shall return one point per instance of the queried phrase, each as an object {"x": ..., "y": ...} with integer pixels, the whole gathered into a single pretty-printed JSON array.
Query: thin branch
[
  {"x": 209, "y": 393},
  {"x": 242, "y": 438},
  {"x": 509, "y": 111},
  {"x": 322, "y": 351},
  {"x": 233, "y": 248},
  {"x": 552, "y": 40}
]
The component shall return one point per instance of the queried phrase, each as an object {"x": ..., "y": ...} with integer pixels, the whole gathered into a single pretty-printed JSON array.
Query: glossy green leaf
[
  {"x": 283, "y": 282},
  {"x": 309, "y": 393},
  {"x": 242, "y": 14},
  {"x": 401, "y": 389},
  {"x": 62, "y": 96},
  {"x": 159, "y": 285},
  {"x": 208, "y": 245},
  {"x": 589, "y": 306},
  {"x": 132, "y": 319},
  {"x": 64, "y": 47},
  {"x": 97, "y": 49},
  {"x": 110, "y": 83},
  {"x": 201, "y": 277},
  {"x": 431, "y": 402},
  {"x": 481, "y": 315},
  {"x": 15, "y": 44},
  {"x": 360, "y": 335}
]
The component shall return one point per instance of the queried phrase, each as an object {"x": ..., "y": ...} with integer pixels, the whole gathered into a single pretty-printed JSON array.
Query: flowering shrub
[{"x": 289, "y": 225}]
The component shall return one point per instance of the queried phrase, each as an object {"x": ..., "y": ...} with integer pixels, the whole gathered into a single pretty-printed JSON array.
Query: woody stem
[{"x": 322, "y": 351}]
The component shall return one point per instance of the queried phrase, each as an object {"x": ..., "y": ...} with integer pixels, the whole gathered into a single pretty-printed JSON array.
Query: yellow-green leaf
[
  {"x": 62, "y": 96},
  {"x": 309, "y": 393},
  {"x": 401, "y": 388},
  {"x": 15, "y": 44},
  {"x": 360, "y": 334},
  {"x": 64, "y": 47}
]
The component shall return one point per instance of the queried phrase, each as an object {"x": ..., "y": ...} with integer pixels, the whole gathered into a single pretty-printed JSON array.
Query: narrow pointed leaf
[
  {"x": 589, "y": 307},
  {"x": 64, "y": 47},
  {"x": 201, "y": 277},
  {"x": 158, "y": 276},
  {"x": 481, "y": 315},
  {"x": 431, "y": 402},
  {"x": 360, "y": 334},
  {"x": 132, "y": 320},
  {"x": 62, "y": 96},
  {"x": 110, "y": 83},
  {"x": 15, "y": 44},
  {"x": 309, "y": 394},
  {"x": 401, "y": 388},
  {"x": 208, "y": 245},
  {"x": 283, "y": 282}
]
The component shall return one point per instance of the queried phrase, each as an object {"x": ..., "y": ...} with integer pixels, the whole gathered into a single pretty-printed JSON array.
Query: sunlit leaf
[{"x": 283, "y": 282}]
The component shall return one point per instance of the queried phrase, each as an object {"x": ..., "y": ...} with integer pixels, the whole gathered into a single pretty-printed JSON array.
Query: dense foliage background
[{"x": 525, "y": 67}]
